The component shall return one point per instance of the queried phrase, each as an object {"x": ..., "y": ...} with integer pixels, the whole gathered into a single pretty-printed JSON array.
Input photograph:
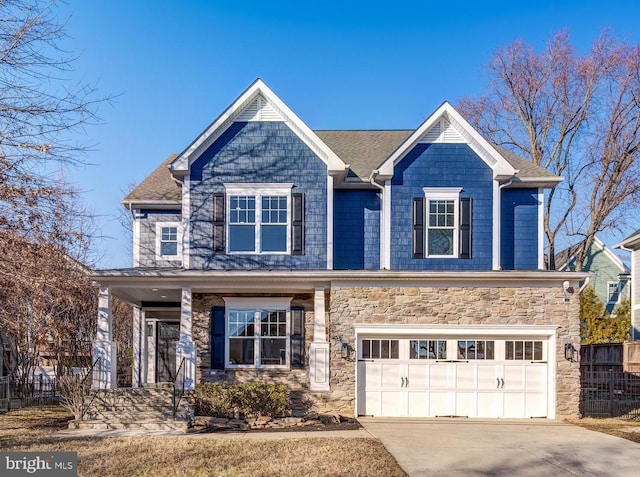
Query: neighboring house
[
  {"x": 387, "y": 273},
  {"x": 632, "y": 244},
  {"x": 610, "y": 275}
]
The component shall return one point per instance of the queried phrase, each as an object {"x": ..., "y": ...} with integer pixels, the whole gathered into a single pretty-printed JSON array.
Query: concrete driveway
[{"x": 461, "y": 447}]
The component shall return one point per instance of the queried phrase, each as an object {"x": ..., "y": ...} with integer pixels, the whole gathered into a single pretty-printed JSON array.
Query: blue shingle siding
[
  {"x": 258, "y": 152},
  {"x": 147, "y": 251},
  {"x": 519, "y": 234},
  {"x": 356, "y": 232},
  {"x": 441, "y": 165}
]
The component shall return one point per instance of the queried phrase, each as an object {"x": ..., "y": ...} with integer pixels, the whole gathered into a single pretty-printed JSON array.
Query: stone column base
[
  {"x": 104, "y": 371},
  {"x": 186, "y": 350},
  {"x": 319, "y": 367}
]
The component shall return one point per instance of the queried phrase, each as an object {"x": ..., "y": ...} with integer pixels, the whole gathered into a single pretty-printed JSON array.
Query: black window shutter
[
  {"x": 297, "y": 224},
  {"x": 418, "y": 227},
  {"x": 218, "y": 224},
  {"x": 297, "y": 337},
  {"x": 217, "y": 337},
  {"x": 465, "y": 227}
]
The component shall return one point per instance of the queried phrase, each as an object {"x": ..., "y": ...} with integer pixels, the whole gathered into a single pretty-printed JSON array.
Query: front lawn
[
  {"x": 627, "y": 429},
  {"x": 30, "y": 430}
]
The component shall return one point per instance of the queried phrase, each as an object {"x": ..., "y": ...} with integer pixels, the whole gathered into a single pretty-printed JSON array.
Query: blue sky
[{"x": 175, "y": 66}]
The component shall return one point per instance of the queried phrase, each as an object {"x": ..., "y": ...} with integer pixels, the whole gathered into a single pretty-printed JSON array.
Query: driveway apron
[{"x": 522, "y": 448}]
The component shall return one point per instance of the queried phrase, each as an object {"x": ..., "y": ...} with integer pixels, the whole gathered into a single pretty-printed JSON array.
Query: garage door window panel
[
  {"x": 525, "y": 350},
  {"x": 428, "y": 349},
  {"x": 380, "y": 349},
  {"x": 476, "y": 349}
]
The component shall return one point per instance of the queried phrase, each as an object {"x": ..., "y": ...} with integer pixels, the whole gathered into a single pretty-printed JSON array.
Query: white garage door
[{"x": 466, "y": 376}]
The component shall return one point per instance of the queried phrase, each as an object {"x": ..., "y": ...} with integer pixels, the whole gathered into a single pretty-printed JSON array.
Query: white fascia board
[
  {"x": 501, "y": 168},
  {"x": 612, "y": 256},
  {"x": 630, "y": 243},
  {"x": 153, "y": 204},
  {"x": 182, "y": 163}
]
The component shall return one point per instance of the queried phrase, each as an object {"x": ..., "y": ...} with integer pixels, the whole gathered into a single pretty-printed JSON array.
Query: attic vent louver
[
  {"x": 259, "y": 110},
  {"x": 442, "y": 132}
]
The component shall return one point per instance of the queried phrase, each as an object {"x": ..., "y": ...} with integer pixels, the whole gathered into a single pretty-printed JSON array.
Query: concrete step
[{"x": 150, "y": 425}]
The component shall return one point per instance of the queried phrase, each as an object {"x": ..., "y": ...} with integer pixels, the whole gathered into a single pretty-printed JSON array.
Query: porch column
[
  {"x": 185, "y": 347},
  {"x": 136, "y": 368},
  {"x": 319, "y": 352},
  {"x": 104, "y": 372}
]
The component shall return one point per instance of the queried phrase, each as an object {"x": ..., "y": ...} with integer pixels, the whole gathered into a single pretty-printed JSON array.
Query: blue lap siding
[
  {"x": 356, "y": 236},
  {"x": 519, "y": 234},
  {"x": 258, "y": 152},
  {"x": 441, "y": 165}
]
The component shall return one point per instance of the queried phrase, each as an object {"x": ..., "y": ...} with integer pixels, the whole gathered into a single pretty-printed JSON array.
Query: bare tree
[
  {"x": 42, "y": 111},
  {"x": 574, "y": 115}
]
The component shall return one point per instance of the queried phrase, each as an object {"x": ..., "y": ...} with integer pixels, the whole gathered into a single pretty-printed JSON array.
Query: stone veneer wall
[
  {"x": 297, "y": 379},
  {"x": 454, "y": 306},
  {"x": 405, "y": 305}
]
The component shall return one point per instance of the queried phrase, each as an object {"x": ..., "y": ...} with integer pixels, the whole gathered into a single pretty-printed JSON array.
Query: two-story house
[{"x": 385, "y": 272}]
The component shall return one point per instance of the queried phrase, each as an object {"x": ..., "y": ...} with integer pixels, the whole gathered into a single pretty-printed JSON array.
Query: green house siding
[{"x": 604, "y": 270}]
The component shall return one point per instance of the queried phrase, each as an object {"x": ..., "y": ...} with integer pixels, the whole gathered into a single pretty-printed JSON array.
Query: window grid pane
[
  {"x": 242, "y": 209},
  {"x": 274, "y": 209},
  {"x": 273, "y": 323},
  {"x": 169, "y": 234}
]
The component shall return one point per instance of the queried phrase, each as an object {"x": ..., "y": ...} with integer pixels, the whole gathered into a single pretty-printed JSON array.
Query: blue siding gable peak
[
  {"x": 441, "y": 165},
  {"x": 258, "y": 152}
]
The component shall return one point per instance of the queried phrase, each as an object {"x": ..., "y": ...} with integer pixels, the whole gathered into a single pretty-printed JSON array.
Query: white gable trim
[
  {"x": 612, "y": 256},
  {"x": 501, "y": 168},
  {"x": 182, "y": 163},
  {"x": 606, "y": 250}
]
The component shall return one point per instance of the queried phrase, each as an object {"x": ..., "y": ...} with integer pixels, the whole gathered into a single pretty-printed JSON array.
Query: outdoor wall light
[
  {"x": 344, "y": 352},
  {"x": 570, "y": 352}
]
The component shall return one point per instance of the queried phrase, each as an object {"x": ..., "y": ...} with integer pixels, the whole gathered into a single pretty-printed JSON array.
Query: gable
[
  {"x": 257, "y": 103},
  {"x": 598, "y": 257},
  {"x": 447, "y": 125}
]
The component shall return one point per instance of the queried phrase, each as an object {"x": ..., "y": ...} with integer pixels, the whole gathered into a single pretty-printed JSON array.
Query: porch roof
[{"x": 162, "y": 287}]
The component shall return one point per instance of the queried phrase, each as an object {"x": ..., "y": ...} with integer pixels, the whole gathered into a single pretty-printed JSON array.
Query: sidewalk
[{"x": 258, "y": 435}]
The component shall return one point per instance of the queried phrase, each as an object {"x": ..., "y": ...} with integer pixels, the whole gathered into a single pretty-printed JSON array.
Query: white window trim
[
  {"x": 619, "y": 289},
  {"x": 258, "y": 190},
  {"x": 257, "y": 304},
  {"x": 168, "y": 258},
  {"x": 443, "y": 193}
]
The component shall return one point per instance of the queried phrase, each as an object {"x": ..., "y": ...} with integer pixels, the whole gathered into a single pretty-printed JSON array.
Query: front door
[{"x": 168, "y": 335}]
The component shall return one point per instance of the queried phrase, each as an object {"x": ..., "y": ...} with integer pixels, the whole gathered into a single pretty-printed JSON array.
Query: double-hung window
[
  {"x": 442, "y": 224},
  {"x": 258, "y": 332},
  {"x": 259, "y": 218},
  {"x": 168, "y": 240},
  {"x": 613, "y": 292}
]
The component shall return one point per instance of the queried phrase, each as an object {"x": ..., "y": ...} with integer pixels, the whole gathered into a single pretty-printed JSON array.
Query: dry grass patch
[
  {"x": 629, "y": 430},
  {"x": 198, "y": 455}
]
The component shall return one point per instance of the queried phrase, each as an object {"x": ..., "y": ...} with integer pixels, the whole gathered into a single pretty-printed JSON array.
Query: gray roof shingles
[{"x": 363, "y": 150}]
